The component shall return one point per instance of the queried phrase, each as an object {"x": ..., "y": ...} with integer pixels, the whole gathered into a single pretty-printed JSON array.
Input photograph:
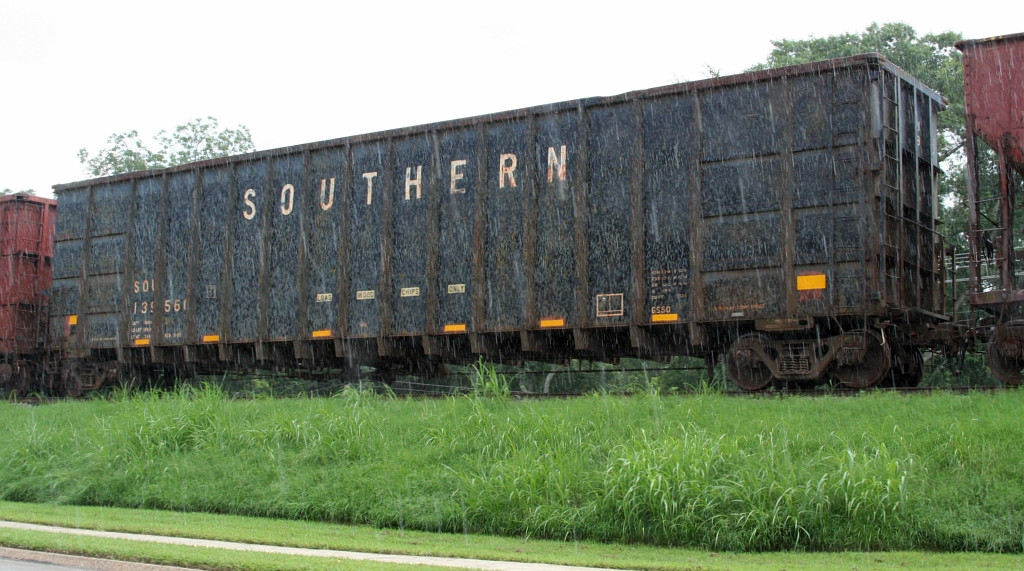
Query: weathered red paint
[
  {"x": 994, "y": 92},
  {"x": 26, "y": 253}
]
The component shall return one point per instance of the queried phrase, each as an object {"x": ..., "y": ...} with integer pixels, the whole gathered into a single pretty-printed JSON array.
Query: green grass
[
  {"x": 178, "y": 555},
  {"x": 355, "y": 538},
  {"x": 876, "y": 472}
]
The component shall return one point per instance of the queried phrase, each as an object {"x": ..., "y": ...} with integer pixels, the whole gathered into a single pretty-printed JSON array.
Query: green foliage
[
  {"x": 197, "y": 140},
  {"x": 318, "y": 535},
  {"x": 628, "y": 375},
  {"x": 8, "y": 191},
  {"x": 124, "y": 153},
  {"x": 488, "y": 382},
  {"x": 876, "y": 472},
  {"x": 949, "y": 372}
]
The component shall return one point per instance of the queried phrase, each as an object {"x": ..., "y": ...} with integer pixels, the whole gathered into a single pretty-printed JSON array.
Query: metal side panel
[
  {"x": 288, "y": 192},
  {"x": 144, "y": 243},
  {"x": 503, "y": 291},
  {"x": 413, "y": 173},
  {"x": 556, "y": 271},
  {"x": 457, "y": 196},
  {"x": 248, "y": 252},
  {"x": 176, "y": 259},
  {"x": 612, "y": 131},
  {"x": 213, "y": 206},
  {"x": 669, "y": 155},
  {"x": 368, "y": 187},
  {"x": 324, "y": 206}
]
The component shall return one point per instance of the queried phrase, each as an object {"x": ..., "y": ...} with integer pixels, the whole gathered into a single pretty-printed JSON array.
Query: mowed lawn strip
[
  {"x": 182, "y": 556},
  {"x": 356, "y": 538}
]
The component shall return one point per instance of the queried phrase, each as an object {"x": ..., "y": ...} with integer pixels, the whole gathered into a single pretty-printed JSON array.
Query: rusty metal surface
[
  {"x": 26, "y": 252},
  {"x": 636, "y": 224},
  {"x": 26, "y": 225},
  {"x": 993, "y": 73},
  {"x": 997, "y": 114}
]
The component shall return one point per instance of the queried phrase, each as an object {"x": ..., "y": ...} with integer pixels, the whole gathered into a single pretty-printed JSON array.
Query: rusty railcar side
[
  {"x": 765, "y": 216},
  {"x": 993, "y": 76},
  {"x": 26, "y": 263}
]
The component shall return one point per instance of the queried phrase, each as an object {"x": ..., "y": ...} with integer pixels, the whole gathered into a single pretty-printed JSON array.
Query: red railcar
[
  {"x": 26, "y": 266},
  {"x": 993, "y": 75}
]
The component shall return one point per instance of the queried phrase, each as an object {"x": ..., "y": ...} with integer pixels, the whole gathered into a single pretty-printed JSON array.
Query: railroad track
[{"x": 522, "y": 395}]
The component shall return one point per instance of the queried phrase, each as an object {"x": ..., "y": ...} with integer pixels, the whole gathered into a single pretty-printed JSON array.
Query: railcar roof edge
[
  {"x": 25, "y": 197},
  {"x": 711, "y": 83},
  {"x": 990, "y": 40}
]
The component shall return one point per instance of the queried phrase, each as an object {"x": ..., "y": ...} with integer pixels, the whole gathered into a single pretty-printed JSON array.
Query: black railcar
[{"x": 783, "y": 218}]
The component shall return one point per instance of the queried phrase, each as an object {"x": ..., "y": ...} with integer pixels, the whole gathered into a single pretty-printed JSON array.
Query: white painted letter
[
  {"x": 369, "y": 176},
  {"x": 555, "y": 161},
  {"x": 507, "y": 166},
  {"x": 289, "y": 202},
  {"x": 410, "y": 182},
  {"x": 457, "y": 176},
  {"x": 326, "y": 201},
  {"x": 247, "y": 200}
]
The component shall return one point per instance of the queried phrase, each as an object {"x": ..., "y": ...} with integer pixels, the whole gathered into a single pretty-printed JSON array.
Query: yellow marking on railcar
[
  {"x": 321, "y": 333},
  {"x": 211, "y": 338},
  {"x": 72, "y": 320},
  {"x": 455, "y": 328},
  {"x": 141, "y": 342},
  {"x": 552, "y": 322},
  {"x": 664, "y": 317},
  {"x": 811, "y": 281}
]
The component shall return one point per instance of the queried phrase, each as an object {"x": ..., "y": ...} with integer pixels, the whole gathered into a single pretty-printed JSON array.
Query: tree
[
  {"x": 197, "y": 140},
  {"x": 124, "y": 153}
]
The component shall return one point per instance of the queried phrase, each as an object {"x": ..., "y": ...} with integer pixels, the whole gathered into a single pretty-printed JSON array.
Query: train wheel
[
  {"x": 71, "y": 379},
  {"x": 1005, "y": 353},
  {"x": 106, "y": 373},
  {"x": 6, "y": 378},
  {"x": 744, "y": 364},
  {"x": 908, "y": 367},
  {"x": 23, "y": 379},
  {"x": 862, "y": 359}
]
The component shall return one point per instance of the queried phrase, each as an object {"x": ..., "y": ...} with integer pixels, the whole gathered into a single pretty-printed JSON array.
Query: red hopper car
[{"x": 26, "y": 265}]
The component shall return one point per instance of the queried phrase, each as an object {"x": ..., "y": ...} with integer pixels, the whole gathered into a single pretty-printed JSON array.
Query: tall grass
[{"x": 872, "y": 472}]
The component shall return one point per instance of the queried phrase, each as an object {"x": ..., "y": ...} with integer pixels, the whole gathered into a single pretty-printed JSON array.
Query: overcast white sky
[{"x": 295, "y": 72}]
